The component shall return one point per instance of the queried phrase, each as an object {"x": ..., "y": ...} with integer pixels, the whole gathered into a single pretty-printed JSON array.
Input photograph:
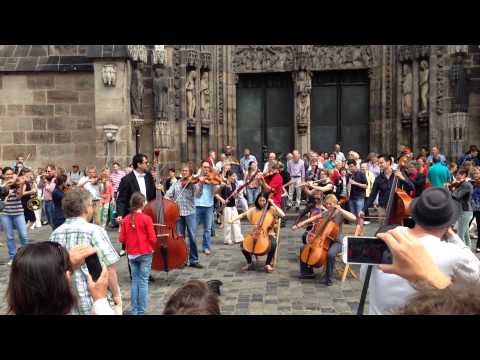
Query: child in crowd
[{"x": 138, "y": 235}]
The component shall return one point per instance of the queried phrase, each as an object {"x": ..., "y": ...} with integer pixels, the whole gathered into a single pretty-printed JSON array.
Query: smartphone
[
  {"x": 366, "y": 250},
  {"x": 94, "y": 266}
]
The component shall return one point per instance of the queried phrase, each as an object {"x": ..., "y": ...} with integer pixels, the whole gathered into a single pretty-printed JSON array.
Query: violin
[
  {"x": 257, "y": 242},
  {"x": 170, "y": 251},
  {"x": 315, "y": 253},
  {"x": 455, "y": 184}
]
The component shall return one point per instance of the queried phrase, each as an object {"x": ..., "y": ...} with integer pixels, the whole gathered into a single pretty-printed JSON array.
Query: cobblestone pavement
[{"x": 253, "y": 292}]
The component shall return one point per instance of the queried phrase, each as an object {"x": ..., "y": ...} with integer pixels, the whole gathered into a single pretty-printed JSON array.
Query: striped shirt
[
  {"x": 77, "y": 231},
  {"x": 13, "y": 204},
  {"x": 115, "y": 178}
]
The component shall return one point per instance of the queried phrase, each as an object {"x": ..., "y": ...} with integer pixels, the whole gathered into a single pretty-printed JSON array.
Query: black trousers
[
  {"x": 270, "y": 254},
  {"x": 333, "y": 250}
]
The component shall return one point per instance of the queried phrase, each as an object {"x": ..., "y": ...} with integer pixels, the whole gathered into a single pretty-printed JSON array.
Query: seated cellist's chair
[{"x": 343, "y": 269}]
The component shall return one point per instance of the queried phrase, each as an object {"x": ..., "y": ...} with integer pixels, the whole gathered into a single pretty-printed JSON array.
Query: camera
[{"x": 3, "y": 192}]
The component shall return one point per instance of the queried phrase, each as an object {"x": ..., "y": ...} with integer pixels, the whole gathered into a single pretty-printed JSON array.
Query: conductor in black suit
[{"x": 138, "y": 180}]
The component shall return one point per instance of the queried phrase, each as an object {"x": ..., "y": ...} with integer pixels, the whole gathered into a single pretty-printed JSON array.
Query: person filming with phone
[
  {"x": 78, "y": 210},
  {"x": 434, "y": 213}
]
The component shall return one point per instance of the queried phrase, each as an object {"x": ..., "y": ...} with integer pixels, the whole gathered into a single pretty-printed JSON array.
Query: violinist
[
  {"x": 462, "y": 191},
  {"x": 183, "y": 193},
  {"x": 204, "y": 194},
  {"x": 383, "y": 184},
  {"x": 233, "y": 232},
  {"x": 272, "y": 182},
  {"x": 340, "y": 216},
  {"x": 252, "y": 215}
]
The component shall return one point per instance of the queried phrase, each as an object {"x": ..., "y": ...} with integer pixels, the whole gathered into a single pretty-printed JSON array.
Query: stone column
[{"x": 302, "y": 91}]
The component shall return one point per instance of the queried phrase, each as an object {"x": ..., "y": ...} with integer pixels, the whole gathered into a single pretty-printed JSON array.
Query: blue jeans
[
  {"x": 205, "y": 217},
  {"x": 140, "y": 267},
  {"x": 252, "y": 194},
  {"x": 356, "y": 205},
  {"x": 50, "y": 212},
  {"x": 190, "y": 223},
  {"x": 9, "y": 222}
]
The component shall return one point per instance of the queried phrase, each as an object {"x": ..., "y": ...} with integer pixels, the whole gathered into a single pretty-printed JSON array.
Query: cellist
[
  {"x": 252, "y": 215},
  {"x": 331, "y": 203},
  {"x": 383, "y": 184}
]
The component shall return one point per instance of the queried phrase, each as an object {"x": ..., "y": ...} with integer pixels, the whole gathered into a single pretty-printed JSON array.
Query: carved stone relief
[
  {"x": 160, "y": 94},
  {"x": 253, "y": 58},
  {"x": 191, "y": 96},
  {"x": 137, "y": 91},
  {"x": 162, "y": 134},
  {"x": 109, "y": 75},
  {"x": 138, "y": 53},
  {"x": 342, "y": 57},
  {"x": 303, "y": 89},
  {"x": 158, "y": 54},
  {"x": 423, "y": 83},
  {"x": 407, "y": 90},
  {"x": 220, "y": 72},
  {"x": 440, "y": 79},
  {"x": 204, "y": 96}
]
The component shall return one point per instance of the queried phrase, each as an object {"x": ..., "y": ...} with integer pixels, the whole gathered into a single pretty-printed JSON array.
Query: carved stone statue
[
  {"x": 407, "y": 88},
  {"x": 109, "y": 75},
  {"x": 303, "y": 89},
  {"x": 424, "y": 86},
  {"x": 160, "y": 95},
  {"x": 162, "y": 134},
  {"x": 204, "y": 97},
  {"x": 191, "y": 99},
  {"x": 458, "y": 78},
  {"x": 137, "y": 90}
]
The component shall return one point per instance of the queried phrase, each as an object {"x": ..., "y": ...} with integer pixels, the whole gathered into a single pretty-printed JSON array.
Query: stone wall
[{"x": 49, "y": 116}]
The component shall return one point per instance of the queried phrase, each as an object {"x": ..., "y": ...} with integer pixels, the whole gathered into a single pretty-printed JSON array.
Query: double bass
[
  {"x": 257, "y": 241},
  {"x": 315, "y": 252},
  {"x": 170, "y": 251}
]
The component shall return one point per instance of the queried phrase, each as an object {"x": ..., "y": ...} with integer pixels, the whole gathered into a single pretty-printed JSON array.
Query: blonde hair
[{"x": 331, "y": 197}]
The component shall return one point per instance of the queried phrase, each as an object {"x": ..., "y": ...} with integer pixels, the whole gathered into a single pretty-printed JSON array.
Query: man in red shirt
[{"x": 274, "y": 184}]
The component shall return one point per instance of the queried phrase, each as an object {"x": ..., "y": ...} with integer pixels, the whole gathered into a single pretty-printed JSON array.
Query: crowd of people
[{"x": 79, "y": 206}]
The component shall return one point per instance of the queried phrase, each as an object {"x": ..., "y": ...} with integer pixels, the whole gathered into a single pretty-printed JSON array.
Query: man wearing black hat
[{"x": 434, "y": 213}]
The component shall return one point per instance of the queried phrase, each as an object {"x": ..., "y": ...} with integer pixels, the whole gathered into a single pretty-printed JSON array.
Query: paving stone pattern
[{"x": 243, "y": 293}]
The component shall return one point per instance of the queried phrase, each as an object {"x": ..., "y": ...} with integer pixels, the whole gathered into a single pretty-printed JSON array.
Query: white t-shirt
[
  {"x": 388, "y": 292},
  {"x": 93, "y": 189}
]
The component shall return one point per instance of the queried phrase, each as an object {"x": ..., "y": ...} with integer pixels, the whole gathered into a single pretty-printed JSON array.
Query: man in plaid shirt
[
  {"x": 183, "y": 195},
  {"x": 77, "y": 230}
]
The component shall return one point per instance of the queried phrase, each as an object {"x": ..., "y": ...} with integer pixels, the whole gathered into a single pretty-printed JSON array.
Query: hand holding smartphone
[
  {"x": 367, "y": 250},
  {"x": 94, "y": 266}
]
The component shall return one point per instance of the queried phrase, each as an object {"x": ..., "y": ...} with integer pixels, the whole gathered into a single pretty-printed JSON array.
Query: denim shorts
[{"x": 356, "y": 205}]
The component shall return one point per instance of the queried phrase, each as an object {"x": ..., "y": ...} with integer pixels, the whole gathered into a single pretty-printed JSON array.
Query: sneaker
[
  {"x": 196, "y": 265},
  {"x": 328, "y": 282},
  {"x": 366, "y": 222},
  {"x": 44, "y": 222},
  {"x": 206, "y": 252},
  {"x": 122, "y": 253},
  {"x": 9, "y": 263},
  {"x": 32, "y": 227}
]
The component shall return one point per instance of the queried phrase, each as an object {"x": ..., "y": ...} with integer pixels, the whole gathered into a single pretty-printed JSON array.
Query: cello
[
  {"x": 170, "y": 251},
  {"x": 257, "y": 242},
  {"x": 315, "y": 253}
]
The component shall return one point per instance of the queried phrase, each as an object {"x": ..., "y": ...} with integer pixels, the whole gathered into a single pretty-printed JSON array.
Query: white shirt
[
  {"x": 141, "y": 182},
  {"x": 388, "y": 292},
  {"x": 93, "y": 189},
  {"x": 340, "y": 156}
]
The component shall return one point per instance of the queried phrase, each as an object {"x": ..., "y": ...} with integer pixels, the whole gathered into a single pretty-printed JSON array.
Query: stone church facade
[{"x": 91, "y": 104}]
